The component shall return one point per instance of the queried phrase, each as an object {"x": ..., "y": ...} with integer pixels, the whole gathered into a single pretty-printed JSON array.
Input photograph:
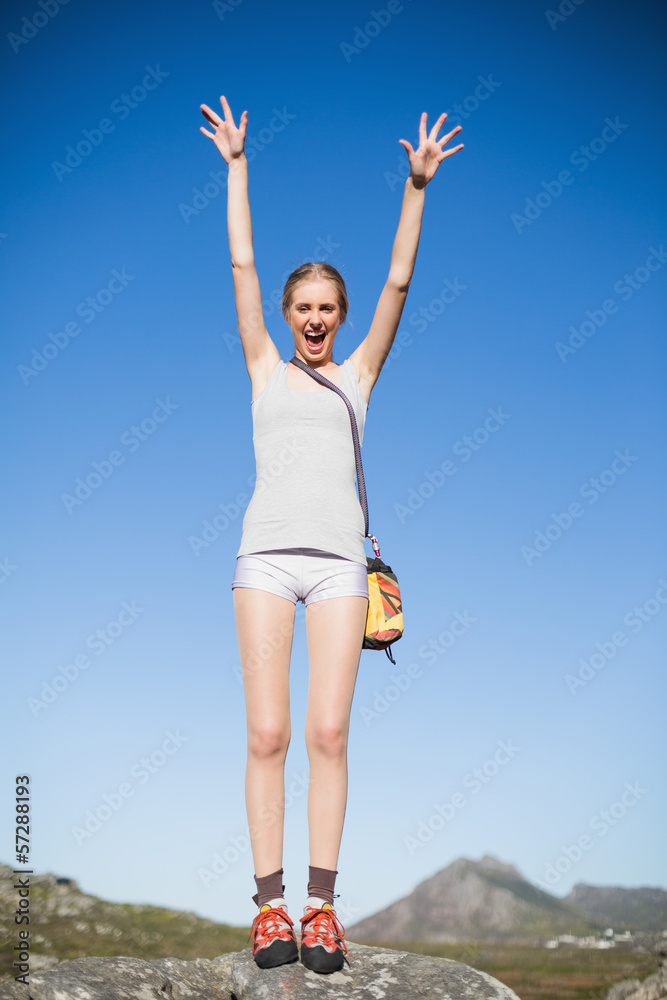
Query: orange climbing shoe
[
  {"x": 322, "y": 946},
  {"x": 273, "y": 938}
]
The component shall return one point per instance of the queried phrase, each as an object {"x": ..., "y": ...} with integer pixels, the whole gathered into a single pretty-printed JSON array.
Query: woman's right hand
[{"x": 228, "y": 138}]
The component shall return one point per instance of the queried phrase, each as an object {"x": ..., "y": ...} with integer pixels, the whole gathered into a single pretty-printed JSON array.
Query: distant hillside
[
  {"x": 66, "y": 923},
  {"x": 642, "y": 909},
  {"x": 486, "y": 901},
  {"x": 483, "y": 900}
]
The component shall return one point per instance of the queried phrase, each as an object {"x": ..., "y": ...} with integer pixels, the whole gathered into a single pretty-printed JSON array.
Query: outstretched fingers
[
  {"x": 227, "y": 126},
  {"x": 446, "y": 138},
  {"x": 210, "y": 115},
  {"x": 422, "y": 128},
  {"x": 438, "y": 125},
  {"x": 229, "y": 118},
  {"x": 450, "y": 152}
]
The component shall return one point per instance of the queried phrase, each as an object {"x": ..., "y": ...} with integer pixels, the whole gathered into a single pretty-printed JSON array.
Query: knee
[
  {"x": 268, "y": 741},
  {"x": 327, "y": 739}
]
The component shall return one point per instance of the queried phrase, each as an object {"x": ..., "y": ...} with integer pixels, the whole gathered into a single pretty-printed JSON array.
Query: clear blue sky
[{"x": 119, "y": 349}]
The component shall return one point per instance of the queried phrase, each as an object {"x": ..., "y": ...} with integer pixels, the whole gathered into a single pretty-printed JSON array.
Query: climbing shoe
[
  {"x": 273, "y": 939},
  {"x": 322, "y": 946}
]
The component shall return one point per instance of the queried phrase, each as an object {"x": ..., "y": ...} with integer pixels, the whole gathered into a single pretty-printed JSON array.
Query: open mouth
[{"x": 315, "y": 339}]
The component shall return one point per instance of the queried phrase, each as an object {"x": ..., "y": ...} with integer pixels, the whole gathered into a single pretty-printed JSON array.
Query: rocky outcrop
[
  {"x": 374, "y": 974},
  {"x": 652, "y": 988}
]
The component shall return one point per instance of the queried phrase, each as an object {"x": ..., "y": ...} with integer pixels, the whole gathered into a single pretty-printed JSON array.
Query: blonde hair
[{"x": 313, "y": 270}]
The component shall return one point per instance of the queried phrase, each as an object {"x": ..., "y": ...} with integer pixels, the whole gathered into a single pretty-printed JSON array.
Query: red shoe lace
[
  {"x": 324, "y": 928},
  {"x": 271, "y": 925}
]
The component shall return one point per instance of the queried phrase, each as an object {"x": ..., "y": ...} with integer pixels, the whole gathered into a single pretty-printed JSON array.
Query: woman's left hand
[{"x": 425, "y": 160}]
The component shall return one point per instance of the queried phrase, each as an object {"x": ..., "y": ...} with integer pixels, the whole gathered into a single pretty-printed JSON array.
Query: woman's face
[{"x": 314, "y": 318}]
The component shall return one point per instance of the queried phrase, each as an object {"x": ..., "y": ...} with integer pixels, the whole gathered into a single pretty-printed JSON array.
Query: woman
[{"x": 303, "y": 539}]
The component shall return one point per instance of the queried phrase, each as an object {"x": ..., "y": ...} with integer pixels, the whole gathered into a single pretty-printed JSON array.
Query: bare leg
[
  {"x": 265, "y": 626},
  {"x": 335, "y": 632}
]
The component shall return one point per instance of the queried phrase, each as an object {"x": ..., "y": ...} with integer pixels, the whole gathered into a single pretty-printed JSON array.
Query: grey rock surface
[
  {"x": 621, "y": 991},
  {"x": 374, "y": 974},
  {"x": 654, "y": 987}
]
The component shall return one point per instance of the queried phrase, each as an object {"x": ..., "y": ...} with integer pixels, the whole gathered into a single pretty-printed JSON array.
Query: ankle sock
[
  {"x": 321, "y": 883},
  {"x": 270, "y": 889}
]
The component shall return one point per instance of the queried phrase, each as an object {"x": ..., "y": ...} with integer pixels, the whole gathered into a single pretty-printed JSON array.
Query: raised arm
[
  {"x": 371, "y": 354},
  {"x": 261, "y": 354}
]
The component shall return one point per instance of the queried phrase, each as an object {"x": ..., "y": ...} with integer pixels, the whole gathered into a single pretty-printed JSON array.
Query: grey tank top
[{"x": 305, "y": 492}]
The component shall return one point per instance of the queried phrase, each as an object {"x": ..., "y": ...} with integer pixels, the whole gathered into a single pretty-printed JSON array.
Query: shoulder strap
[{"x": 355, "y": 438}]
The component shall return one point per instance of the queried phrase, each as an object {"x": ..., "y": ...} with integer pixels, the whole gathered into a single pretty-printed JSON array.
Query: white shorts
[{"x": 306, "y": 575}]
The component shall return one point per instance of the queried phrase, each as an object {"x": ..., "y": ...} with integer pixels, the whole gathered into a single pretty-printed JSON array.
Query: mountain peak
[
  {"x": 490, "y": 863},
  {"x": 485, "y": 900}
]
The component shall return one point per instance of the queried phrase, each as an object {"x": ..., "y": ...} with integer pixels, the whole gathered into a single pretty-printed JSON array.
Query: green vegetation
[
  {"x": 102, "y": 929},
  {"x": 564, "y": 973}
]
